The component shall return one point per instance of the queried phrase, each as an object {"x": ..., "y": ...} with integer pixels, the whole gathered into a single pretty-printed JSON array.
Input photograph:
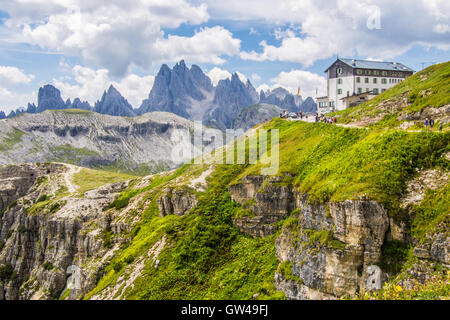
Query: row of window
[
  {"x": 326, "y": 104},
  {"x": 339, "y": 71},
  {"x": 375, "y": 80},
  {"x": 360, "y": 90},
  {"x": 370, "y": 72}
]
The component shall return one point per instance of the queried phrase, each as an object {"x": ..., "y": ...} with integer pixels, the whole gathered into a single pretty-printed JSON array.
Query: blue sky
[{"x": 83, "y": 47}]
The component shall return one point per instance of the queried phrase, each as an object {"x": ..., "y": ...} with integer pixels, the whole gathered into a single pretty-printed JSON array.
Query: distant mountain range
[{"x": 186, "y": 92}]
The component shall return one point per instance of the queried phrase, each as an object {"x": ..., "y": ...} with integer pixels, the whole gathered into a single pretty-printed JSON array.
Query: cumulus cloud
[
  {"x": 307, "y": 82},
  {"x": 90, "y": 84},
  {"x": 13, "y": 76},
  {"x": 11, "y": 79},
  {"x": 312, "y": 30},
  {"x": 11, "y": 100},
  {"x": 256, "y": 77},
  {"x": 216, "y": 74},
  {"x": 117, "y": 35},
  {"x": 206, "y": 46}
]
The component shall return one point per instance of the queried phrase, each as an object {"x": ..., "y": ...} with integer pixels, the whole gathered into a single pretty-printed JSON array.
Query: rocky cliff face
[
  {"x": 45, "y": 241},
  {"x": 256, "y": 114},
  {"x": 326, "y": 251},
  {"x": 309, "y": 105},
  {"x": 56, "y": 242},
  {"x": 182, "y": 91},
  {"x": 231, "y": 97},
  {"x": 147, "y": 143},
  {"x": 113, "y": 103},
  {"x": 282, "y": 98},
  {"x": 49, "y": 98}
]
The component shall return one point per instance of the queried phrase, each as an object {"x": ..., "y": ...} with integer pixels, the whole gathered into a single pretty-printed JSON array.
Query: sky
[{"x": 83, "y": 46}]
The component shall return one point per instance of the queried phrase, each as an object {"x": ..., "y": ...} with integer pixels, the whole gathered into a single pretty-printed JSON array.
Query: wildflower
[{"x": 398, "y": 289}]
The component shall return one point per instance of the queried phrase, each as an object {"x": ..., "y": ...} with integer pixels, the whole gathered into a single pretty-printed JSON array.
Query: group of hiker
[
  {"x": 324, "y": 119},
  {"x": 429, "y": 122},
  {"x": 292, "y": 115}
]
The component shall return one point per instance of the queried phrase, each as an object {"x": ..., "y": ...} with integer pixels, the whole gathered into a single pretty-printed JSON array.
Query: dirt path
[{"x": 68, "y": 175}]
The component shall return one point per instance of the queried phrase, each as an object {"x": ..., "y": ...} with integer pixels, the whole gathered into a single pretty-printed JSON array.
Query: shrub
[
  {"x": 107, "y": 238},
  {"x": 6, "y": 272},
  {"x": 120, "y": 203},
  {"x": 55, "y": 207},
  {"x": 117, "y": 266},
  {"x": 393, "y": 255},
  {"x": 42, "y": 198},
  {"x": 48, "y": 266}
]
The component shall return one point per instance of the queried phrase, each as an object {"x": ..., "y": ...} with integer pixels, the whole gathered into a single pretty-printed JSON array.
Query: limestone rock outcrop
[
  {"x": 332, "y": 249},
  {"x": 46, "y": 241},
  {"x": 176, "y": 201}
]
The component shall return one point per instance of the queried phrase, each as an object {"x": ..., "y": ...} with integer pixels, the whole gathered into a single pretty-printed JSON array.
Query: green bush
[
  {"x": 55, "y": 207},
  {"x": 48, "y": 266},
  {"x": 120, "y": 203},
  {"x": 42, "y": 198},
  {"x": 6, "y": 273},
  {"x": 107, "y": 238},
  {"x": 393, "y": 255},
  {"x": 117, "y": 266}
]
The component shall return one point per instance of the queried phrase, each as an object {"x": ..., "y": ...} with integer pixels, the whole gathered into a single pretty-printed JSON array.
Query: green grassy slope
[{"x": 209, "y": 259}]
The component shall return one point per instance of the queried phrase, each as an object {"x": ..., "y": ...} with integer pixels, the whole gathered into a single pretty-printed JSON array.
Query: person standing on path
[
  {"x": 440, "y": 127},
  {"x": 426, "y": 124},
  {"x": 431, "y": 124}
]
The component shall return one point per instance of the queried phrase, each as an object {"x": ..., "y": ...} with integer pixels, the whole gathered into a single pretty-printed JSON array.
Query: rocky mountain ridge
[
  {"x": 186, "y": 92},
  {"x": 141, "y": 144}
]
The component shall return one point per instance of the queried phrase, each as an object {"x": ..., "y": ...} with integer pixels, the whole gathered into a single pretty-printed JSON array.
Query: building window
[
  {"x": 366, "y": 80},
  {"x": 359, "y": 90},
  {"x": 332, "y": 104},
  {"x": 339, "y": 91},
  {"x": 375, "y": 80},
  {"x": 367, "y": 89},
  {"x": 358, "y": 79},
  {"x": 384, "y": 81},
  {"x": 376, "y": 73},
  {"x": 367, "y": 72},
  {"x": 339, "y": 70},
  {"x": 359, "y": 71},
  {"x": 375, "y": 91},
  {"x": 384, "y": 73},
  {"x": 339, "y": 81},
  {"x": 383, "y": 90}
]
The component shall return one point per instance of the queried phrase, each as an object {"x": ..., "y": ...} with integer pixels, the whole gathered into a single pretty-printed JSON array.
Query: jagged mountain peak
[{"x": 113, "y": 103}]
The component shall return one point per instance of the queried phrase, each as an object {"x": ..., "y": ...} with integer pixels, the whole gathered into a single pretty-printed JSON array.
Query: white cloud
[
  {"x": 90, "y": 84},
  {"x": 12, "y": 76},
  {"x": 307, "y": 82},
  {"x": 256, "y": 77},
  {"x": 319, "y": 29},
  {"x": 441, "y": 28},
  {"x": 217, "y": 74},
  {"x": 11, "y": 100},
  {"x": 117, "y": 35},
  {"x": 206, "y": 46}
]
